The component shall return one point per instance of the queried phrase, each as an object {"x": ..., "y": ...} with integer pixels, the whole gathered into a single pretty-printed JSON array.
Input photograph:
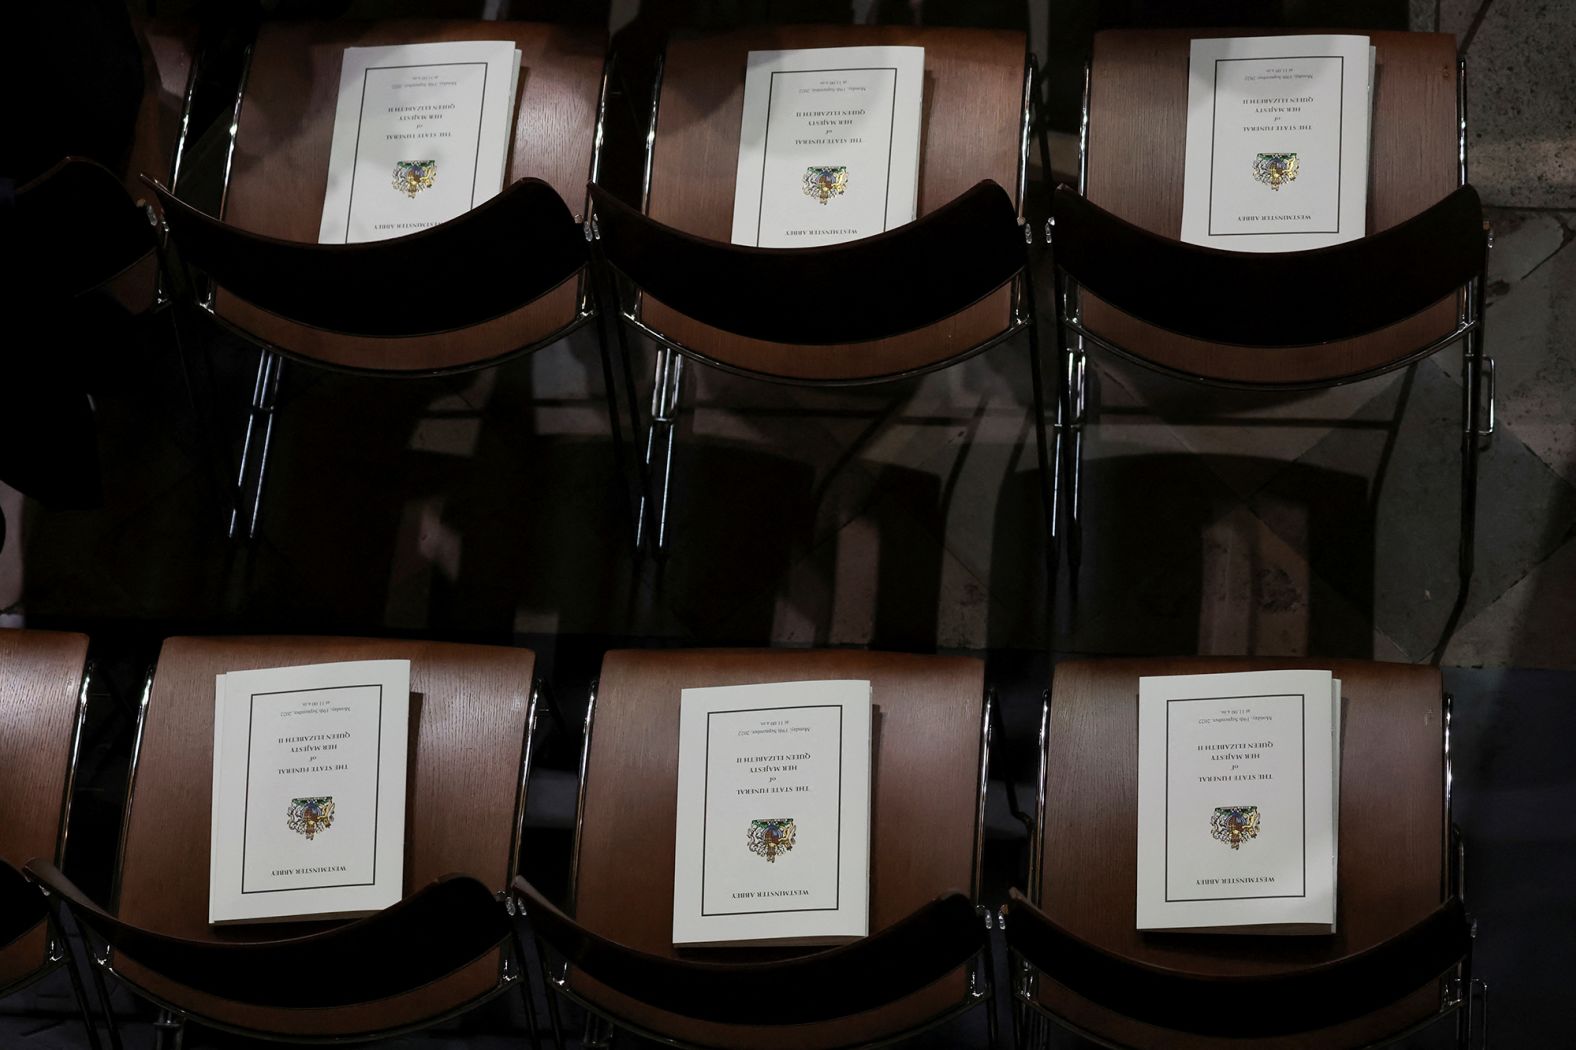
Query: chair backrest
[
  {"x": 74, "y": 228},
  {"x": 471, "y": 713},
  {"x": 41, "y": 705},
  {"x": 865, "y": 975},
  {"x": 971, "y": 131},
  {"x": 284, "y": 126},
  {"x": 1393, "y": 834},
  {"x": 1137, "y": 142},
  {"x": 909, "y": 278},
  {"x": 1198, "y": 291},
  {"x": 1299, "y": 1000},
  {"x": 925, "y": 814},
  {"x": 464, "y": 272}
]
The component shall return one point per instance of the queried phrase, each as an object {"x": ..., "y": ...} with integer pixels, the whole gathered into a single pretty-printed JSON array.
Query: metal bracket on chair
[{"x": 1477, "y": 1018}]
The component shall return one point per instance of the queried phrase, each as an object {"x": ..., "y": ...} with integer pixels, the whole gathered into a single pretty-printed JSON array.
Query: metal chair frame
[
  {"x": 1464, "y": 995},
  {"x": 600, "y": 1027},
  {"x": 257, "y": 439},
  {"x": 171, "y": 1019},
  {"x": 1072, "y": 417},
  {"x": 668, "y": 375}
]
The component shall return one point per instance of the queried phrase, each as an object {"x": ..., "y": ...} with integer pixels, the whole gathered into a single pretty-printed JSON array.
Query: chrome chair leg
[
  {"x": 258, "y": 435},
  {"x": 666, "y": 391},
  {"x": 57, "y": 931},
  {"x": 516, "y": 960},
  {"x": 238, "y": 499},
  {"x": 598, "y": 1032},
  {"x": 169, "y": 1031},
  {"x": 1077, "y": 386},
  {"x": 101, "y": 989},
  {"x": 269, "y": 409}
]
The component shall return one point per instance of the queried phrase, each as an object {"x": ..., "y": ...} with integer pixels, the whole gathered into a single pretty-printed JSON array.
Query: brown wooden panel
[
  {"x": 924, "y": 814},
  {"x": 470, "y": 704},
  {"x": 1137, "y": 143},
  {"x": 1392, "y": 836},
  {"x": 40, "y": 682},
  {"x": 168, "y": 50},
  {"x": 973, "y": 110},
  {"x": 281, "y": 168}
]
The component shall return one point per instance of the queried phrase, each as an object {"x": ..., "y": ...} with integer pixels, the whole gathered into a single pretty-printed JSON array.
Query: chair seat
[
  {"x": 469, "y": 712},
  {"x": 925, "y": 775},
  {"x": 1135, "y": 171},
  {"x": 974, "y": 97},
  {"x": 285, "y": 127},
  {"x": 1392, "y": 837}
]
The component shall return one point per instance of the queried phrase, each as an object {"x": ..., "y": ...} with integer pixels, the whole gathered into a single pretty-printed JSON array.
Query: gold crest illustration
[
  {"x": 1234, "y": 825},
  {"x": 1275, "y": 169},
  {"x": 768, "y": 838},
  {"x": 311, "y": 816},
  {"x": 413, "y": 176},
  {"x": 825, "y": 183}
]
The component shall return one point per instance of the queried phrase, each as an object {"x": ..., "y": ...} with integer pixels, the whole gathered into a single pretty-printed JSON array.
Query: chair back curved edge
[
  {"x": 496, "y": 258},
  {"x": 74, "y": 229},
  {"x": 1271, "y": 299},
  {"x": 889, "y": 284},
  {"x": 22, "y": 907},
  {"x": 1287, "y": 1003},
  {"x": 427, "y": 936},
  {"x": 839, "y": 982}
]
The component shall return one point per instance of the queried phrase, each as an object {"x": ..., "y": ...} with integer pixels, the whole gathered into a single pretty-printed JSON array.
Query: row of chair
[
  {"x": 517, "y": 274},
  {"x": 1401, "y": 955}
]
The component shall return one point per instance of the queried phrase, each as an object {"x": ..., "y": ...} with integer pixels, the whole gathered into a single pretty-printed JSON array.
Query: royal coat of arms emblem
[
  {"x": 1234, "y": 825},
  {"x": 1275, "y": 169},
  {"x": 311, "y": 816},
  {"x": 768, "y": 838},
  {"x": 413, "y": 176},
  {"x": 825, "y": 183}
]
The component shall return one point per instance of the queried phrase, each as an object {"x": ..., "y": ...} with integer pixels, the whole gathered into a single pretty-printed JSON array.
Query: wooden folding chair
[
  {"x": 274, "y": 176},
  {"x": 915, "y": 299},
  {"x": 926, "y": 960},
  {"x": 447, "y": 947},
  {"x": 1318, "y": 318},
  {"x": 1401, "y": 954}
]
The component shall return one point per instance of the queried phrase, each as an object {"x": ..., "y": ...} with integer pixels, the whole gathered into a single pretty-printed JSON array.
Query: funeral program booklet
[
  {"x": 421, "y": 136},
  {"x": 309, "y": 791},
  {"x": 773, "y": 832},
  {"x": 829, "y": 145},
  {"x": 1238, "y": 799},
  {"x": 1277, "y": 142}
]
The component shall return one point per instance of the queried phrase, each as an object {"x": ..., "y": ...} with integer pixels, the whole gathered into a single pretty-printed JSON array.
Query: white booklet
[
  {"x": 309, "y": 791},
  {"x": 773, "y": 835},
  {"x": 421, "y": 136},
  {"x": 1238, "y": 802},
  {"x": 1277, "y": 142},
  {"x": 829, "y": 145}
]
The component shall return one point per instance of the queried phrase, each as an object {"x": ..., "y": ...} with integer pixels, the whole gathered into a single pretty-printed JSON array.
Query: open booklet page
[
  {"x": 421, "y": 136},
  {"x": 773, "y": 830},
  {"x": 1277, "y": 142},
  {"x": 1238, "y": 802},
  {"x": 829, "y": 145},
  {"x": 309, "y": 791}
]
